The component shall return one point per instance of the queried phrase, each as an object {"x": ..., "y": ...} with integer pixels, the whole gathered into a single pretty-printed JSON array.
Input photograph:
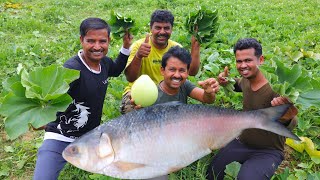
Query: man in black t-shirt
[{"x": 88, "y": 93}]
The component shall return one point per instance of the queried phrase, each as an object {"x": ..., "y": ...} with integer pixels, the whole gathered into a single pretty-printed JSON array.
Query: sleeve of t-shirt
[
  {"x": 117, "y": 66},
  {"x": 72, "y": 63},
  {"x": 237, "y": 85},
  {"x": 189, "y": 87}
]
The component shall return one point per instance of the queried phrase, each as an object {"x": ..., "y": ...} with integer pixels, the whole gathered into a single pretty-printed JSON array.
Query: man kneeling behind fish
[{"x": 164, "y": 138}]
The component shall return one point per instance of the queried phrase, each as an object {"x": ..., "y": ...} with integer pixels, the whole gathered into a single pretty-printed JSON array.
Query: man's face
[
  {"x": 95, "y": 44},
  {"x": 247, "y": 63},
  {"x": 161, "y": 33},
  {"x": 175, "y": 73}
]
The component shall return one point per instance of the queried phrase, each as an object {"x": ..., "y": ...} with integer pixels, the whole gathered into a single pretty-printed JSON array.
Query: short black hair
[
  {"x": 178, "y": 52},
  {"x": 248, "y": 43},
  {"x": 162, "y": 16},
  {"x": 93, "y": 24}
]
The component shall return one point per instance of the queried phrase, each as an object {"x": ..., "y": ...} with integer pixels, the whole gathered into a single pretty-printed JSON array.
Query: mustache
[{"x": 165, "y": 35}]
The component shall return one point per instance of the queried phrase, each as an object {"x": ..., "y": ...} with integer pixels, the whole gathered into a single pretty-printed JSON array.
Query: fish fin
[
  {"x": 128, "y": 166},
  {"x": 105, "y": 149},
  {"x": 271, "y": 123}
]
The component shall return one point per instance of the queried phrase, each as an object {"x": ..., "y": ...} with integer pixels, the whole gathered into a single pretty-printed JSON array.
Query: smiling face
[
  {"x": 175, "y": 73},
  {"x": 161, "y": 32},
  {"x": 95, "y": 44},
  {"x": 247, "y": 63}
]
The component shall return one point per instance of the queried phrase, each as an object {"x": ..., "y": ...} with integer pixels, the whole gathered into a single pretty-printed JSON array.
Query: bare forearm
[{"x": 195, "y": 63}]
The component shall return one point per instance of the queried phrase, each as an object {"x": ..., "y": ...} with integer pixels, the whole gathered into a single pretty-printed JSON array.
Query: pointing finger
[{"x": 226, "y": 71}]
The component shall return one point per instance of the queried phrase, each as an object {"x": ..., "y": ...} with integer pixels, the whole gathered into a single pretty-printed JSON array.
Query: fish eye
[{"x": 74, "y": 150}]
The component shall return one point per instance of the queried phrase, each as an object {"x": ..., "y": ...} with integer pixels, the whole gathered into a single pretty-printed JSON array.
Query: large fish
[{"x": 164, "y": 138}]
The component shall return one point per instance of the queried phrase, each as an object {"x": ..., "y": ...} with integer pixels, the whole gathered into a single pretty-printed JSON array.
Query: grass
[{"x": 39, "y": 33}]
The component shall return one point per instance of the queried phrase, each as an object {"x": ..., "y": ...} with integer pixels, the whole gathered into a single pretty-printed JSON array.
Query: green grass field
[{"x": 37, "y": 33}]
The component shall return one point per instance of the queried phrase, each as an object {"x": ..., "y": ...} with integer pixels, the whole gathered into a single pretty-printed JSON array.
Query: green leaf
[
  {"x": 311, "y": 97},
  {"x": 233, "y": 169},
  {"x": 120, "y": 24},
  {"x": 8, "y": 149},
  {"x": 203, "y": 24},
  {"x": 285, "y": 174},
  {"x": 286, "y": 74},
  {"x": 48, "y": 83},
  {"x": 315, "y": 159},
  {"x": 21, "y": 111},
  {"x": 36, "y": 98}
]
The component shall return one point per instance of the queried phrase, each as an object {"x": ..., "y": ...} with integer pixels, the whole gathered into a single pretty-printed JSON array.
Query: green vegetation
[
  {"x": 40, "y": 33},
  {"x": 203, "y": 24},
  {"x": 34, "y": 98},
  {"x": 120, "y": 25}
]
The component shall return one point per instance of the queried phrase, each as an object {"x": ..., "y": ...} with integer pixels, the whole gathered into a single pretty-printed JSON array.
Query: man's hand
[
  {"x": 292, "y": 111},
  {"x": 134, "y": 104},
  {"x": 222, "y": 76},
  {"x": 144, "y": 49},
  {"x": 210, "y": 85},
  {"x": 132, "y": 71},
  {"x": 127, "y": 40}
]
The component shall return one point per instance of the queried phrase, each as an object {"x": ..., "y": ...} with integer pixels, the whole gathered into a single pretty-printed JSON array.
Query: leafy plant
[
  {"x": 121, "y": 24},
  {"x": 232, "y": 170},
  {"x": 307, "y": 145},
  {"x": 293, "y": 82},
  {"x": 203, "y": 24},
  {"x": 35, "y": 97}
]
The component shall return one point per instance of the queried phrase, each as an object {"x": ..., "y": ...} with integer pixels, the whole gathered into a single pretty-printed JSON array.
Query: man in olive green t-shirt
[{"x": 260, "y": 152}]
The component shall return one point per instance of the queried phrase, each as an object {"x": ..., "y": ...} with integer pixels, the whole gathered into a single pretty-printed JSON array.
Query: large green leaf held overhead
[
  {"x": 34, "y": 98},
  {"x": 120, "y": 24},
  {"x": 203, "y": 24}
]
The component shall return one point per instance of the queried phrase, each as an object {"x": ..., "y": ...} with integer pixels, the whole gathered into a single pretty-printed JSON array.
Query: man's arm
[
  {"x": 207, "y": 93},
  {"x": 195, "y": 55},
  {"x": 133, "y": 69},
  {"x": 289, "y": 119}
]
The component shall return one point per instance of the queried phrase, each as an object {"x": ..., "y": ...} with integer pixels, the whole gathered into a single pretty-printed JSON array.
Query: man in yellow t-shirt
[{"x": 146, "y": 54}]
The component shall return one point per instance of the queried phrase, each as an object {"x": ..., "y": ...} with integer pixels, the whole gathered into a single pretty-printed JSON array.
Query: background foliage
[{"x": 40, "y": 33}]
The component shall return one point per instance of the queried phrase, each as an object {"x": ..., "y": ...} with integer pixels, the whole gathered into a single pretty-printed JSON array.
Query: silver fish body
[{"x": 164, "y": 138}]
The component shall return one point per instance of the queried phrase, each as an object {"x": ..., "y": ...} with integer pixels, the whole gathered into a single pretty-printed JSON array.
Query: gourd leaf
[
  {"x": 47, "y": 83},
  {"x": 36, "y": 98},
  {"x": 293, "y": 82},
  {"x": 120, "y": 24},
  {"x": 203, "y": 24}
]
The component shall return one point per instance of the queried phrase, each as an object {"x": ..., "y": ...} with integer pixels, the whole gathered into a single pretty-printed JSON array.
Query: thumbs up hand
[{"x": 144, "y": 49}]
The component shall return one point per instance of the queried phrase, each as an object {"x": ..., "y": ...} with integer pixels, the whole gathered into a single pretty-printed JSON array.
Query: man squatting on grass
[
  {"x": 146, "y": 54},
  {"x": 88, "y": 93},
  {"x": 260, "y": 152},
  {"x": 175, "y": 86}
]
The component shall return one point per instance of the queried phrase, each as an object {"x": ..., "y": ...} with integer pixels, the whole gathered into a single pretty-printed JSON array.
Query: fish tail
[{"x": 271, "y": 120}]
